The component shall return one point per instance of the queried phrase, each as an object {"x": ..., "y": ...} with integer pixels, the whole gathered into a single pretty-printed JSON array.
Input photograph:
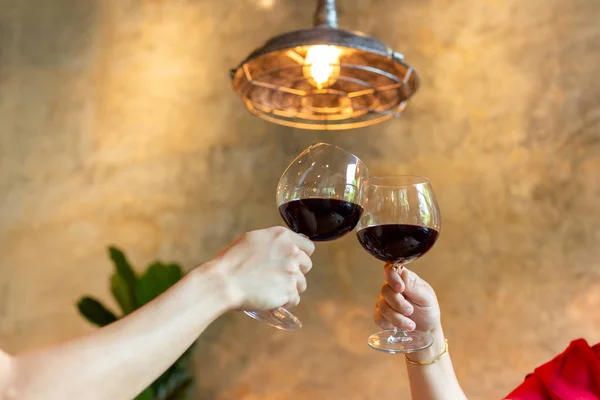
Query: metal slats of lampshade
[{"x": 372, "y": 82}]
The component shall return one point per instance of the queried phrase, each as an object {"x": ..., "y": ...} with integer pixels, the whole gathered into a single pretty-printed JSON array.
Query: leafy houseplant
[{"x": 132, "y": 292}]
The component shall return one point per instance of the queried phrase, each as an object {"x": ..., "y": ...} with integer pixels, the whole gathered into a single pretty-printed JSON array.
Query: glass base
[
  {"x": 279, "y": 318},
  {"x": 391, "y": 341}
]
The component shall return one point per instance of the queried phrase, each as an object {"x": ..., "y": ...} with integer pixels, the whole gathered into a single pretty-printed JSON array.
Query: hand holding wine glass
[
  {"x": 319, "y": 196},
  {"x": 265, "y": 269},
  {"x": 401, "y": 222},
  {"x": 406, "y": 301}
]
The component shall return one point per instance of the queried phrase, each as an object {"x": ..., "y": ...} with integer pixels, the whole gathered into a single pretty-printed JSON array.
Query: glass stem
[
  {"x": 273, "y": 312},
  {"x": 399, "y": 336}
]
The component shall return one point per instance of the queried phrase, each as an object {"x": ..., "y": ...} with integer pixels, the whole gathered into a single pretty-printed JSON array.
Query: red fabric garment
[{"x": 572, "y": 375}]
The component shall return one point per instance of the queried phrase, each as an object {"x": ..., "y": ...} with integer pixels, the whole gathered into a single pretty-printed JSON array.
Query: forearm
[
  {"x": 120, "y": 360},
  {"x": 436, "y": 381}
]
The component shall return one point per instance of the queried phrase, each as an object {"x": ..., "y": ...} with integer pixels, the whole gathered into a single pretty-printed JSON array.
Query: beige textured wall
[{"x": 117, "y": 125}]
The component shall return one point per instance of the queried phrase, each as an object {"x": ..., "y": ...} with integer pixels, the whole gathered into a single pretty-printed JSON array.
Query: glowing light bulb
[
  {"x": 322, "y": 65},
  {"x": 266, "y": 3}
]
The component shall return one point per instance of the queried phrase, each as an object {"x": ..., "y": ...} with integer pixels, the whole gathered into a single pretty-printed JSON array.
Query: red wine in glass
[
  {"x": 321, "y": 219},
  {"x": 397, "y": 243},
  {"x": 320, "y": 196},
  {"x": 401, "y": 222}
]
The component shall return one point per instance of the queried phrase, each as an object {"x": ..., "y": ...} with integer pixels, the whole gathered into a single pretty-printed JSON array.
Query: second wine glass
[
  {"x": 401, "y": 222},
  {"x": 320, "y": 196}
]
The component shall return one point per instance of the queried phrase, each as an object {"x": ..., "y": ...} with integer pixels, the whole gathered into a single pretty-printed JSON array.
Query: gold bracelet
[{"x": 429, "y": 362}]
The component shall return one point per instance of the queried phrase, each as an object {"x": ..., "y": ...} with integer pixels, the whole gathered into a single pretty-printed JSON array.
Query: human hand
[
  {"x": 265, "y": 269},
  {"x": 406, "y": 302}
]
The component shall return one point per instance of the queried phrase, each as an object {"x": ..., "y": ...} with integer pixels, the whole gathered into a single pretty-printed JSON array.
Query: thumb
[{"x": 417, "y": 290}]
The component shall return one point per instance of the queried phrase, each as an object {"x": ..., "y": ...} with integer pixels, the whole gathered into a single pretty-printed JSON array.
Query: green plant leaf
[
  {"x": 147, "y": 394},
  {"x": 123, "y": 282},
  {"x": 157, "y": 278},
  {"x": 92, "y": 310},
  {"x": 122, "y": 265},
  {"x": 122, "y": 294},
  {"x": 176, "y": 377},
  {"x": 177, "y": 382},
  {"x": 180, "y": 393}
]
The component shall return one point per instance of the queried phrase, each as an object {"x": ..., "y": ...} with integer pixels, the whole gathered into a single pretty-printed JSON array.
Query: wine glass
[
  {"x": 401, "y": 222},
  {"x": 319, "y": 196}
]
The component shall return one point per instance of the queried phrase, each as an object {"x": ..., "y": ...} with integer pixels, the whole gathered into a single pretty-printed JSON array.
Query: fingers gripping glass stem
[{"x": 399, "y": 341}]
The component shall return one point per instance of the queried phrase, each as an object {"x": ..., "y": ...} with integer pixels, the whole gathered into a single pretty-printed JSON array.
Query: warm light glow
[
  {"x": 266, "y": 3},
  {"x": 322, "y": 65}
]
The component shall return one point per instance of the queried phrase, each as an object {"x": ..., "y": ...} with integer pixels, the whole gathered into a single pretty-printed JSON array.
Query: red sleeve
[
  {"x": 574, "y": 374},
  {"x": 531, "y": 389}
]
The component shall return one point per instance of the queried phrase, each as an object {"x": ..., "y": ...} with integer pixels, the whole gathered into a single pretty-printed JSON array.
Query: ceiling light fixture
[{"x": 325, "y": 78}]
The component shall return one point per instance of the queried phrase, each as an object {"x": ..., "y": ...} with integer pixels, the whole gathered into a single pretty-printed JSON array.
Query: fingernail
[{"x": 411, "y": 325}]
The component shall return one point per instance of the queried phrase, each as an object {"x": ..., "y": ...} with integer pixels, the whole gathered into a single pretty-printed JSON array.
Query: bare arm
[
  {"x": 5, "y": 371},
  {"x": 120, "y": 360},
  {"x": 407, "y": 300},
  {"x": 262, "y": 270},
  {"x": 435, "y": 381}
]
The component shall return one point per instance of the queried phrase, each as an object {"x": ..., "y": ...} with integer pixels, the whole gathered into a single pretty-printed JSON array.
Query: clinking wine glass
[
  {"x": 320, "y": 196},
  {"x": 401, "y": 222}
]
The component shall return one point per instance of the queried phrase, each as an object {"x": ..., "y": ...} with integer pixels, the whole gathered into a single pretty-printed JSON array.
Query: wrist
[
  {"x": 215, "y": 274},
  {"x": 438, "y": 346},
  {"x": 435, "y": 329}
]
